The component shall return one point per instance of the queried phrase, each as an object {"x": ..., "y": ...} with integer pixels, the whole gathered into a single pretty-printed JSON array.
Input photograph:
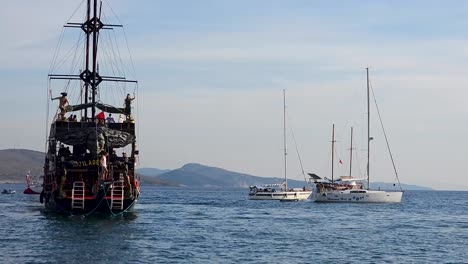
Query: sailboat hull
[
  {"x": 357, "y": 196},
  {"x": 281, "y": 195}
]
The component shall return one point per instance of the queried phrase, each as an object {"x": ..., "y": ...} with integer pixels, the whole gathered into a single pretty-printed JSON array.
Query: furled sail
[{"x": 103, "y": 136}]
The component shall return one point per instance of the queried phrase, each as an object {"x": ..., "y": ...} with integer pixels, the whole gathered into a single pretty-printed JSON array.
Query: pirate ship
[{"x": 90, "y": 161}]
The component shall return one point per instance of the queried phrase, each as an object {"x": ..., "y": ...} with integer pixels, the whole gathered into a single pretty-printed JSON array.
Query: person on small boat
[
  {"x": 63, "y": 103},
  {"x": 128, "y": 108}
]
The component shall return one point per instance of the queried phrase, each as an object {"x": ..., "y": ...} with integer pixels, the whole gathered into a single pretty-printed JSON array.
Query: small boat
[
  {"x": 30, "y": 191},
  {"x": 352, "y": 190},
  {"x": 281, "y": 191},
  {"x": 9, "y": 191},
  {"x": 32, "y": 186}
]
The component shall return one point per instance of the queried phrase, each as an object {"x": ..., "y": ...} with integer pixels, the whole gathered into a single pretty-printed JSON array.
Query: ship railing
[{"x": 64, "y": 124}]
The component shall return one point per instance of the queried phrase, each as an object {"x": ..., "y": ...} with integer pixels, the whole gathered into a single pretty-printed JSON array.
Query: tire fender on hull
[
  {"x": 47, "y": 197},
  {"x": 41, "y": 197}
]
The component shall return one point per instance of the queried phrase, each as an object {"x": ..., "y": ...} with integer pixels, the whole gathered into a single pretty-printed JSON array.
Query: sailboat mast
[
  {"x": 333, "y": 153},
  {"x": 351, "y": 154},
  {"x": 368, "y": 130},
  {"x": 284, "y": 138}
]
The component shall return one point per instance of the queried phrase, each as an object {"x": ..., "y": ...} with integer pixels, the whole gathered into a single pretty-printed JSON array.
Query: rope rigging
[
  {"x": 297, "y": 149},
  {"x": 385, "y": 136}
]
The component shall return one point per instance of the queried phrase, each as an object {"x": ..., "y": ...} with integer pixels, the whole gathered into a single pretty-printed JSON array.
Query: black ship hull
[{"x": 97, "y": 205}]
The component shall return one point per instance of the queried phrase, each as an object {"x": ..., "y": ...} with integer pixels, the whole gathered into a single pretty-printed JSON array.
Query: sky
[{"x": 211, "y": 78}]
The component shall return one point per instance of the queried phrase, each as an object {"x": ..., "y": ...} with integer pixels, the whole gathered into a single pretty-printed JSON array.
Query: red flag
[{"x": 101, "y": 116}]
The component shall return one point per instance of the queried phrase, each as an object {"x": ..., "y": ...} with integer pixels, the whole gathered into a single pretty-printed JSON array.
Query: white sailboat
[
  {"x": 351, "y": 190},
  {"x": 281, "y": 191}
]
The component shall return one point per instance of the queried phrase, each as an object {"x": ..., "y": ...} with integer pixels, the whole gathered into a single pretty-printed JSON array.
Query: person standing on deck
[
  {"x": 101, "y": 118},
  {"x": 121, "y": 119},
  {"x": 63, "y": 103},
  {"x": 128, "y": 108},
  {"x": 110, "y": 119}
]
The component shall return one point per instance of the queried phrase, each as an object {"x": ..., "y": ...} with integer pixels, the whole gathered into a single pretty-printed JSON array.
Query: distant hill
[
  {"x": 152, "y": 171},
  {"x": 148, "y": 176},
  {"x": 152, "y": 180},
  {"x": 390, "y": 186},
  {"x": 15, "y": 163},
  {"x": 197, "y": 175}
]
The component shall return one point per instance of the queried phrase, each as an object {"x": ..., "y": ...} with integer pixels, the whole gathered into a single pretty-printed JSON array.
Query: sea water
[{"x": 182, "y": 225}]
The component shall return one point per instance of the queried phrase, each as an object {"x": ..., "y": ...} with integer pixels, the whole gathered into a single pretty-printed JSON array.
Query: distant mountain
[
  {"x": 391, "y": 186},
  {"x": 15, "y": 163},
  {"x": 151, "y": 171},
  {"x": 197, "y": 175},
  {"x": 152, "y": 180},
  {"x": 148, "y": 176}
]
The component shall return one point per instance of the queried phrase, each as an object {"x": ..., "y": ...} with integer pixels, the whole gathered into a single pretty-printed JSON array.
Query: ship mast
[
  {"x": 88, "y": 14},
  {"x": 90, "y": 76},
  {"x": 94, "y": 73},
  {"x": 284, "y": 140}
]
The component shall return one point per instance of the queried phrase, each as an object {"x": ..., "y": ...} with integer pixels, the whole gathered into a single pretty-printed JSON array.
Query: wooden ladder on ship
[
  {"x": 78, "y": 194},
  {"x": 117, "y": 195}
]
